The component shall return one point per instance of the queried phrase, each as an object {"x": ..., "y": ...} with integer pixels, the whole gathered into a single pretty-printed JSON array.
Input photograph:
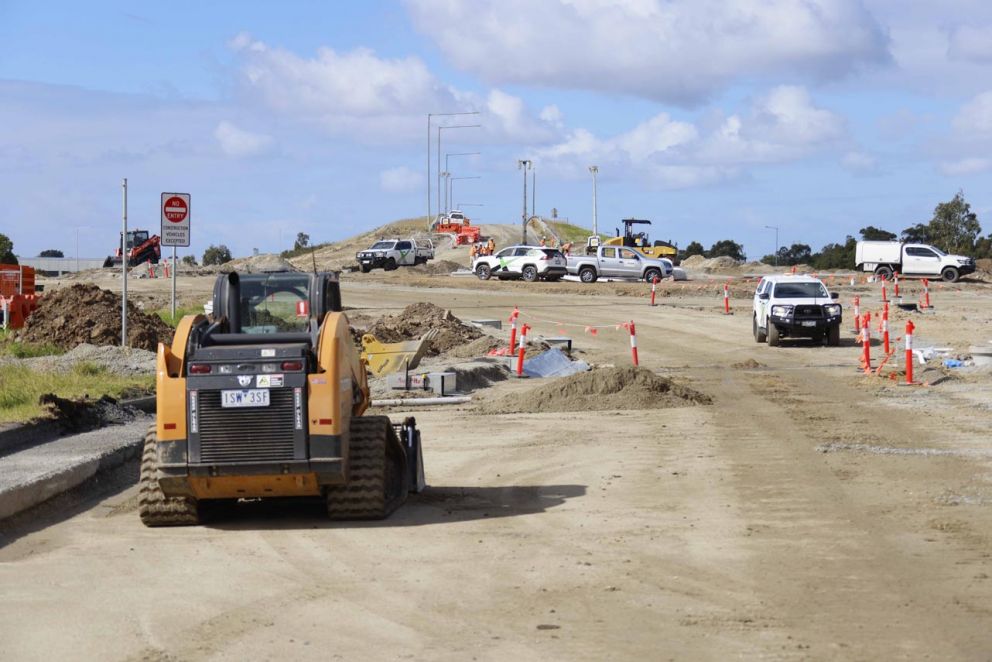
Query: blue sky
[{"x": 714, "y": 119}]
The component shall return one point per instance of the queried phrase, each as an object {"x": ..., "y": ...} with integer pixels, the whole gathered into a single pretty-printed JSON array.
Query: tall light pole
[
  {"x": 444, "y": 175},
  {"x": 450, "y": 126},
  {"x": 429, "y": 116},
  {"x": 533, "y": 190},
  {"x": 524, "y": 164},
  {"x": 774, "y": 227},
  {"x": 595, "y": 224},
  {"x": 451, "y": 186},
  {"x": 124, "y": 263}
]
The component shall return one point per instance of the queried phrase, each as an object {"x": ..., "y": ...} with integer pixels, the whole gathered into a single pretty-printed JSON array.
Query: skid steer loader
[{"x": 267, "y": 399}]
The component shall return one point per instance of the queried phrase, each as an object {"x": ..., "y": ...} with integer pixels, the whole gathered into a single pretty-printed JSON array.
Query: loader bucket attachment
[{"x": 385, "y": 358}]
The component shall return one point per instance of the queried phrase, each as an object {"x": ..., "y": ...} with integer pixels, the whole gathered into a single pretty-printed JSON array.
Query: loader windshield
[{"x": 275, "y": 303}]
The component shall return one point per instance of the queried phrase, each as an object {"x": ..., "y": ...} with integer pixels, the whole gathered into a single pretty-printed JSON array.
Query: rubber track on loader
[
  {"x": 154, "y": 507},
  {"x": 376, "y": 485}
]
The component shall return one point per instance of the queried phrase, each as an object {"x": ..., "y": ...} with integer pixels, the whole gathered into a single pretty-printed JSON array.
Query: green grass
[
  {"x": 181, "y": 311},
  {"x": 22, "y": 350},
  {"x": 20, "y": 388}
]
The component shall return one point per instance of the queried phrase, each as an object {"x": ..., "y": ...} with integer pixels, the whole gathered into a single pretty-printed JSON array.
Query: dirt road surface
[{"x": 808, "y": 513}]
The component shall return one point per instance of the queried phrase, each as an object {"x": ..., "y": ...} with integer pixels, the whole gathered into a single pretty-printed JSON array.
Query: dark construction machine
[
  {"x": 140, "y": 248},
  {"x": 268, "y": 399}
]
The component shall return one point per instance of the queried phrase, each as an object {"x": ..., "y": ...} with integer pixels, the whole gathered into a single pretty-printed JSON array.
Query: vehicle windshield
[
  {"x": 275, "y": 303},
  {"x": 799, "y": 290},
  {"x": 382, "y": 245}
]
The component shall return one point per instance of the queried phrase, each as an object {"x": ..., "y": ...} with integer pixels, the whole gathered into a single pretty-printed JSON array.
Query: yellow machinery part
[
  {"x": 385, "y": 358},
  {"x": 235, "y": 487},
  {"x": 170, "y": 388}
]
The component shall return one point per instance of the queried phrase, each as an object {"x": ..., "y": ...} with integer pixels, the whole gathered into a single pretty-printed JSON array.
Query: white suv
[
  {"x": 795, "y": 307},
  {"x": 528, "y": 262}
]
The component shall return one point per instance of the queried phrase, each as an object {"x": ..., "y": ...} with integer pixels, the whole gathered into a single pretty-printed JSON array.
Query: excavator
[
  {"x": 140, "y": 248},
  {"x": 639, "y": 241},
  {"x": 268, "y": 398}
]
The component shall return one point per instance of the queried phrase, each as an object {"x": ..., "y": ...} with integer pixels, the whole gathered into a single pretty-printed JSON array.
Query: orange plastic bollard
[
  {"x": 910, "y": 327},
  {"x": 633, "y": 342},
  {"x": 866, "y": 342},
  {"x": 885, "y": 328},
  {"x": 726, "y": 299},
  {"x": 654, "y": 283},
  {"x": 513, "y": 327},
  {"x": 857, "y": 314},
  {"x": 523, "y": 348}
]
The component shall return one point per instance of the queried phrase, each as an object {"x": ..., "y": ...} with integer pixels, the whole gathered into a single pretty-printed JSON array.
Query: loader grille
[{"x": 263, "y": 434}]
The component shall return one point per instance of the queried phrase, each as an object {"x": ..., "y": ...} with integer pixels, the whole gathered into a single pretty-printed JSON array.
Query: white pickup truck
[
  {"x": 618, "y": 262},
  {"x": 884, "y": 258},
  {"x": 392, "y": 253}
]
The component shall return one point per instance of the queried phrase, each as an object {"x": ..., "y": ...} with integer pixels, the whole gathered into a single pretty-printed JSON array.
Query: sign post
[{"x": 175, "y": 230}]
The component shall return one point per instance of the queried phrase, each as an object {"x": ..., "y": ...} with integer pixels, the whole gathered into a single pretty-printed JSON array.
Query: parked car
[
  {"x": 795, "y": 306},
  {"x": 618, "y": 262},
  {"x": 389, "y": 254},
  {"x": 885, "y": 258},
  {"x": 527, "y": 262}
]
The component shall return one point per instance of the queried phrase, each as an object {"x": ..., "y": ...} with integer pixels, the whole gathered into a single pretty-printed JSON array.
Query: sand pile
[
  {"x": 259, "y": 264},
  {"x": 417, "y": 319},
  {"x": 80, "y": 313},
  {"x": 438, "y": 267},
  {"x": 606, "y": 389},
  {"x": 710, "y": 265}
]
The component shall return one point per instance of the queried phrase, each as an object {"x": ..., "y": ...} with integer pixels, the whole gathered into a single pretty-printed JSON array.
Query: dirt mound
[
  {"x": 259, "y": 264},
  {"x": 438, "y": 267},
  {"x": 417, "y": 319},
  {"x": 478, "y": 347},
  {"x": 600, "y": 390},
  {"x": 749, "y": 364},
  {"x": 722, "y": 264},
  {"x": 81, "y": 313},
  {"x": 84, "y": 414}
]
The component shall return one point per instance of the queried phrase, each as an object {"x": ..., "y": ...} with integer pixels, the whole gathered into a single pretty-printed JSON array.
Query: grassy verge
[
  {"x": 181, "y": 311},
  {"x": 20, "y": 388},
  {"x": 21, "y": 350}
]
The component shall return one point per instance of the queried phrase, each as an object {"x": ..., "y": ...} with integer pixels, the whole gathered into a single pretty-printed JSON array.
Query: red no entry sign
[
  {"x": 175, "y": 209},
  {"x": 175, "y": 219}
]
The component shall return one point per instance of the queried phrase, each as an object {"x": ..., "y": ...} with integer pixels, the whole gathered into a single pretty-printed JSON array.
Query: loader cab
[{"x": 266, "y": 308}]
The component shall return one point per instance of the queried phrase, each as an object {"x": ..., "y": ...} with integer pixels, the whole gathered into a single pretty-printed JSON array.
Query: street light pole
[
  {"x": 429, "y": 116},
  {"x": 595, "y": 224},
  {"x": 524, "y": 164},
  {"x": 774, "y": 227},
  {"x": 533, "y": 190}
]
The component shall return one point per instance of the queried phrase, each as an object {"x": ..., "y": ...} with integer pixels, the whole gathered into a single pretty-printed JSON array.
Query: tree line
[{"x": 954, "y": 228}]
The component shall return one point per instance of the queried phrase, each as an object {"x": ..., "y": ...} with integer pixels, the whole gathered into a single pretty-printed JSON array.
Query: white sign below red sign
[{"x": 175, "y": 219}]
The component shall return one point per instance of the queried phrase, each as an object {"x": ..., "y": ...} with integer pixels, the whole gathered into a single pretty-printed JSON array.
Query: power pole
[
  {"x": 595, "y": 225},
  {"x": 524, "y": 164}
]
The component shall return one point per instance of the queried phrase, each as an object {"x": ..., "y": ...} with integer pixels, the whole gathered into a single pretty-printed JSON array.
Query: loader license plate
[{"x": 254, "y": 397}]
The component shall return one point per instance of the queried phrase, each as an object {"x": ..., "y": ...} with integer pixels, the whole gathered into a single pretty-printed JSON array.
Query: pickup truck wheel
[
  {"x": 759, "y": 333},
  {"x": 587, "y": 275},
  {"x": 774, "y": 340},
  {"x": 651, "y": 274},
  {"x": 483, "y": 272},
  {"x": 884, "y": 272},
  {"x": 390, "y": 264},
  {"x": 949, "y": 274},
  {"x": 833, "y": 336},
  {"x": 529, "y": 273}
]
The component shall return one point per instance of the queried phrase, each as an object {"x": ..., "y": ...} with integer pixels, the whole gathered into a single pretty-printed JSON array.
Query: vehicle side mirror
[
  {"x": 834, "y": 295},
  {"x": 765, "y": 297}
]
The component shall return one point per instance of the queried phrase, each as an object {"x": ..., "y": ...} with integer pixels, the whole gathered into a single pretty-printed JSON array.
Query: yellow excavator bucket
[{"x": 384, "y": 358}]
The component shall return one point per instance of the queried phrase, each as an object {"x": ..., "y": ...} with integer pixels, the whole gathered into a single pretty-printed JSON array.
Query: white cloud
[
  {"x": 779, "y": 127},
  {"x": 965, "y": 166},
  {"x": 859, "y": 162},
  {"x": 376, "y": 99},
  {"x": 680, "y": 51},
  {"x": 240, "y": 143},
  {"x": 401, "y": 180},
  {"x": 972, "y": 43},
  {"x": 974, "y": 120}
]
